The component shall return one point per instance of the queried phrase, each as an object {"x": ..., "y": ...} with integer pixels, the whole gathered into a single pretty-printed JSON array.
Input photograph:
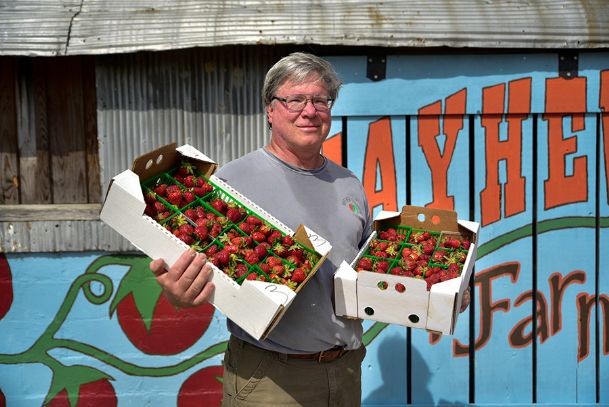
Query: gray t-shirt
[{"x": 329, "y": 200}]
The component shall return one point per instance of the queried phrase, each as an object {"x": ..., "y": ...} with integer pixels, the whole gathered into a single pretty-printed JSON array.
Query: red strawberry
[
  {"x": 246, "y": 227},
  {"x": 280, "y": 250},
  {"x": 161, "y": 190},
  {"x": 258, "y": 236},
  {"x": 365, "y": 264},
  {"x": 186, "y": 229},
  {"x": 223, "y": 257},
  {"x": 190, "y": 181},
  {"x": 261, "y": 251},
  {"x": 198, "y": 191},
  {"x": 219, "y": 205},
  {"x": 186, "y": 168},
  {"x": 189, "y": 196},
  {"x": 201, "y": 232},
  {"x": 251, "y": 257},
  {"x": 186, "y": 238},
  {"x": 175, "y": 198},
  {"x": 253, "y": 220},
  {"x": 273, "y": 261},
  {"x": 298, "y": 275},
  {"x": 241, "y": 270},
  {"x": 274, "y": 236}
]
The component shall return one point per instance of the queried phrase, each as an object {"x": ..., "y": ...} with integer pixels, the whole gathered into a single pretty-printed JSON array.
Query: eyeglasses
[{"x": 297, "y": 103}]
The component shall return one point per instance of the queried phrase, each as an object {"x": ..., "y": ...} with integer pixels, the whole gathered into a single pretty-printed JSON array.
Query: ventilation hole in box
[
  {"x": 399, "y": 287},
  {"x": 382, "y": 285},
  {"x": 414, "y": 318},
  {"x": 159, "y": 159},
  {"x": 148, "y": 164},
  {"x": 421, "y": 217},
  {"x": 435, "y": 219},
  {"x": 369, "y": 310}
]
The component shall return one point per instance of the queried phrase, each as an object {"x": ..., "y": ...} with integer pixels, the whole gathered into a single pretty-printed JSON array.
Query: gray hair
[{"x": 297, "y": 67}]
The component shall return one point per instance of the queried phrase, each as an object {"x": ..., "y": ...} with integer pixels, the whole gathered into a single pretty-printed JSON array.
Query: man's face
[{"x": 299, "y": 131}]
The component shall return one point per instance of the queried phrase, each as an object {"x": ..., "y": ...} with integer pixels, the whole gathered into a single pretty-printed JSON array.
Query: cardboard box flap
[
  {"x": 167, "y": 157},
  {"x": 429, "y": 218},
  {"x": 204, "y": 164},
  {"x": 156, "y": 161},
  {"x": 312, "y": 240}
]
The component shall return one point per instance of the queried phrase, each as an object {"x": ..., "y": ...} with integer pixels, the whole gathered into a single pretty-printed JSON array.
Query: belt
[{"x": 321, "y": 357}]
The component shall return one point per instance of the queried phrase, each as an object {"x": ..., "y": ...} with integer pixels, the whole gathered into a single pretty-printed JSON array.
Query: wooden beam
[{"x": 56, "y": 212}]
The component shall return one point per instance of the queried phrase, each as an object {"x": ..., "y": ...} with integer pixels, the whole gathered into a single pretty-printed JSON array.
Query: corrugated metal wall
[{"x": 207, "y": 97}]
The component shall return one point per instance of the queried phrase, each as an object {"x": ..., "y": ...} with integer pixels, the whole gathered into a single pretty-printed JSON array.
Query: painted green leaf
[
  {"x": 141, "y": 283},
  {"x": 70, "y": 378}
]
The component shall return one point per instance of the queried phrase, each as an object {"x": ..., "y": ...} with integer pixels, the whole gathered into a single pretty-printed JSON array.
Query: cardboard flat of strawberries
[
  {"x": 403, "y": 251},
  {"x": 171, "y": 200},
  {"x": 413, "y": 270},
  {"x": 235, "y": 239}
]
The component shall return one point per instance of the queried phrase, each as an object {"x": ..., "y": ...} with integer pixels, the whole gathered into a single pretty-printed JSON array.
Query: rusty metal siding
[{"x": 106, "y": 27}]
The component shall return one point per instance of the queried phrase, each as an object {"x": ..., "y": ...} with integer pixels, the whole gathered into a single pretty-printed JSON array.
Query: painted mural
[{"x": 509, "y": 141}]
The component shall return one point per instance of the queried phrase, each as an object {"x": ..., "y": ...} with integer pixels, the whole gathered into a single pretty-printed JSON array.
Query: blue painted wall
[{"x": 501, "y": 139}]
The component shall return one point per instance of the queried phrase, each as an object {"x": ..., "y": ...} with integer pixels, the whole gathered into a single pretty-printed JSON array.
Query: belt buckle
[
  {"x": 320, "y": 358},
  {"x": 332, "y": 353}
]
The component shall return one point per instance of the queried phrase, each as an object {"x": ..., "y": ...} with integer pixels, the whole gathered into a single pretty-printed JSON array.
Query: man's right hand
[{"x": 186, "y": 282}]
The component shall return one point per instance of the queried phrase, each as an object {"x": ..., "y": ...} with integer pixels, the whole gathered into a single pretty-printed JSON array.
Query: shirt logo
[{"x": 351, "y": 205}]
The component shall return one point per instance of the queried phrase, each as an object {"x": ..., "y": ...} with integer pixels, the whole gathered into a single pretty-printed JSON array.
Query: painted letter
[
  {"x": 565, "y": 98},
  {"x": 439, "y": 161},
  {"x": 510, "y": 150},
  {"x": 379, "y": 154}
]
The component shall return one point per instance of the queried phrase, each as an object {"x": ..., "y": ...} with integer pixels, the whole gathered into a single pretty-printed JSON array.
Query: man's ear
[{"x": 269, "y": 115}]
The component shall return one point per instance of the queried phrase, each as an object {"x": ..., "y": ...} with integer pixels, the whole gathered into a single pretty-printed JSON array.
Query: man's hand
[
  {"x": 186, "y": 282},
  {"x": 466, "y": 300}
]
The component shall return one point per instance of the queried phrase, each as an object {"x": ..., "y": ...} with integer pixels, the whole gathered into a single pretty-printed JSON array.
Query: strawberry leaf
[
  {"x": 70, "y": 378},
  {"x": 141, "y": 283}
]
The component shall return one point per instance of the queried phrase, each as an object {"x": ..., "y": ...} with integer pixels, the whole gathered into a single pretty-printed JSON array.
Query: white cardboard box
[
  {"x": 358, "y": 295},
  {"x": 255, "y": 306}
]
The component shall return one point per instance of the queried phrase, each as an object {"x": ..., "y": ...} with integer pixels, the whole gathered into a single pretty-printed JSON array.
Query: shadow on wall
[{"x": 387, "y": 351}]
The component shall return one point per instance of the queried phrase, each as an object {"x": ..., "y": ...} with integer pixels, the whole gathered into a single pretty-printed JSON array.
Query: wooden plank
[
  {"x": 439, "y": 173},
  {"x": 503, "y": 278},
  {"x": 94, "y": 191},
  {"x": 386, "y": 375},
  {"x": 566, "y": 255},
  {"x": 9, "y": 170},
  {"x": 66, "y": 129},
  {"x": 34, "y": 168},
  {"x": 19, "y": 213}
]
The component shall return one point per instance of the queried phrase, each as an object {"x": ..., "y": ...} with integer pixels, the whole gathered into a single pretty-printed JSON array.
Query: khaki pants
[{"x": 257, "y": 377}]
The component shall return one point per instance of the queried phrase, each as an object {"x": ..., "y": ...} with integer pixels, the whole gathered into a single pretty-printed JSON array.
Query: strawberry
[
  {"x": 258, "y": 236},
  {"x": 298, "y": 275},
  {"x": 188, "y": 196},
  {"x": 251, "y": 257},
  {"x": 273, "y": 236},
  {"x": 246, "y": 227},
  {"x": 365, "y": 263},
  {"x": 273, "y": 261},
  {"x": 261, "y": 251},
  {"x": 280, "y": 250},
  {"x": 438, "y": 256},
  {"x": 253, "y": 220},
  {"x": 186, "y": 169},
  {"x": 381, "y": 266},
  {"x": 251, "y": 276},
  {"x": 201, "y": 232},
  {"x": 190, "y": 181},
  {"x": 219, "y": 205},
  {"x": 241, "y": 270},
  {"x": 175, "y": 198},
  {"x": 161, "y": 190}
]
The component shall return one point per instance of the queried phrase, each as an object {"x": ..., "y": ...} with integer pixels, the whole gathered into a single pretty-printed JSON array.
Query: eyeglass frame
[{"x": 307, "y": 100}]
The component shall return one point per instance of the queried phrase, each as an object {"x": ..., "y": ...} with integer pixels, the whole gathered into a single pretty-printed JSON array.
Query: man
[{"x": 312, "y": 357}]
